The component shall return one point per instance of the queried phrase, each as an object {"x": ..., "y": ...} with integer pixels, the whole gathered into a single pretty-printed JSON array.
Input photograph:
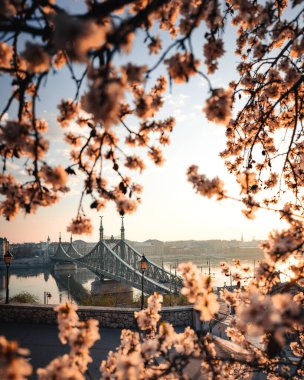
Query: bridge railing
[
  {"x": 155, "y": 271},
  {"x": 72, "y": 251},
  {"x": 60, "y": 254}
]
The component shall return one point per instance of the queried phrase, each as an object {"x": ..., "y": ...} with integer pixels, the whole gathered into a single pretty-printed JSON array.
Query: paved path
[{"x": 44, "y": 344}]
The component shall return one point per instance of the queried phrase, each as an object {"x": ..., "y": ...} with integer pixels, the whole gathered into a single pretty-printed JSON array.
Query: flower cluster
[
  {"x": 260, "y": 314},
  {"x": 182, "y": 66},
  {"x": 68, "y": 111},
  {"x": 213, "y": 50},
  {"x": 6, "y": 55},
  {"x": 81, "y": 336},
  {"x": 13, "y": 363},
  {"x": 197, "y": 288},
  {"x": 80, "y": 225},
  {"x": 56, "y": 176},
  {"x": 37, "y": 60},
  {"x": 281, "y": 245},
  {"x": 203, "y": 185},
  {"x": 135, "y": 357},
  {"x": 148, "y": 318},
  {"x": 218, "y": 106}
]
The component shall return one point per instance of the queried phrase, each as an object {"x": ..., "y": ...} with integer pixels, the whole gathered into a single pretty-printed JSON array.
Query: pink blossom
[
  {"x": 125, "y": 205},
  {"x": 135, "y": 162},
  {"x": 56, "y": 176},
  {"x": 80, "y": 225},
  {"x": 147, "y": 319},
  {"x": 213, "y": 50},
  {"x": 204, "y": 186},
  {"x": 77, "y": 37},
  {"x": 182, "y": 66},
  {"x": 13, "y": 364},
  {"x": 218, "y": 106},
  {"x": 68, "y": 111},
  {"x": 37, "y": 59},
  {"x": 6, "y": 55}
]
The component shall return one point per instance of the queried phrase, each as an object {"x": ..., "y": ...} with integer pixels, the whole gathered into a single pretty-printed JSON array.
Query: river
[{"x": 77, "y": 283}]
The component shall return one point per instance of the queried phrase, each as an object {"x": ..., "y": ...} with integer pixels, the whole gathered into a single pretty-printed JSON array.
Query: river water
[{"x": 74, "y": 283}]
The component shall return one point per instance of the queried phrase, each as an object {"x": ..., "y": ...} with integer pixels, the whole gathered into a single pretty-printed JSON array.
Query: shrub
[{"x": 24, "y": 297}]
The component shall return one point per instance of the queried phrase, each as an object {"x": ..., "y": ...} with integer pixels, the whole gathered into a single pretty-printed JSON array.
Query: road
[{"x": 44, "y": 344}]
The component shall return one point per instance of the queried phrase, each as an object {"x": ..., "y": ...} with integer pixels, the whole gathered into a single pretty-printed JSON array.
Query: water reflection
[
  {"x": 35, "y": 280},
  {"x": 74, "y": 284}
]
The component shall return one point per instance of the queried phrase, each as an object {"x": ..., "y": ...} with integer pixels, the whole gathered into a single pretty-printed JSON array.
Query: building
[
  {"x": 150, "y": 248},
  {"x": 4, "y": 246}
]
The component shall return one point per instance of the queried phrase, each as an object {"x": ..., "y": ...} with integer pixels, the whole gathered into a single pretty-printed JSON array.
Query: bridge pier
[
  {"x": 103, "y": 287},
  {"x": 65, "y": 266}
]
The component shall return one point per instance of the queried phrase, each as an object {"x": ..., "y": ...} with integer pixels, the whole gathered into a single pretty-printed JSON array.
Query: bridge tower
[
  {"x": 122, "y": 230},
  {"x": 47, "y": 252},
  {"x": 101, "y": 247},
  {"x": 101, "y": 230},
  {"x": 122, "y": 240}
]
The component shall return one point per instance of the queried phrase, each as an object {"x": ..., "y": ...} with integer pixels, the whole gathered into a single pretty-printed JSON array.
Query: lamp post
[
  {"x": 69, "y": 286},
  {"x": 7, "y": 260},
  {"x": 209, "y": 269},
  {"x": 170, "y": 286},
  {"x": 46, "y": 295},
  {"x": 143, "y": 263}
]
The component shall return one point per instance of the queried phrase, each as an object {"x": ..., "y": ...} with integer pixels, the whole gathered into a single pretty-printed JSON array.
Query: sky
[{"x": 170, "y": 209}]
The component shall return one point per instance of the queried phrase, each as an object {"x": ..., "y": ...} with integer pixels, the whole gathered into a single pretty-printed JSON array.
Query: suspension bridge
[{"x": 114, "y": 258}]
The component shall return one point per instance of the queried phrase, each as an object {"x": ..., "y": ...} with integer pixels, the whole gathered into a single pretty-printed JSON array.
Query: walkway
[{"x": 43, "y": 342}]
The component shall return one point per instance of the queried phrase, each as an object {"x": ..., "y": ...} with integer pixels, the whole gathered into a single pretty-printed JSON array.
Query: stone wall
[{"x": 107, "y": 316}]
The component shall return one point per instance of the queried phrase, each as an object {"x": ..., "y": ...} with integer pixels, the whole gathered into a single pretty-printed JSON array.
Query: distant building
[
  {"x": 29, "y": 250},
  {"x": 83, "y": 247},
  {"x": 150, "y": 248},
  {"x": 4, "y": 245}
]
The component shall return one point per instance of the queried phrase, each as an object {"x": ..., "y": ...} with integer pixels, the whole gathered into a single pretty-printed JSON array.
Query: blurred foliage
[
  {"x": 109, "y": 300},
  {"x": 125, "y": 300},
  {"x": 175, "y": 300},
  {"x": 24, "y": 297}
]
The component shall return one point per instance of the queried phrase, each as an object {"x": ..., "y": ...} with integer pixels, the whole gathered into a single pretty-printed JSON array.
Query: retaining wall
[{"x": 107, "y": 316}]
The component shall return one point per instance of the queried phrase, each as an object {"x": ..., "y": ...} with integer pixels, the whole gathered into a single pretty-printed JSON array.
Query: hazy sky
[{"x": 170, "y": 209}]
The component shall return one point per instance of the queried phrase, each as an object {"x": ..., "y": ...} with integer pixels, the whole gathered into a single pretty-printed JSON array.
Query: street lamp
[
  {"x": 69, "y": 286},
  {"x": 7, "y": 260},
  {"x": 47, "y": 295},
  {"x": 143, "y": 263}
]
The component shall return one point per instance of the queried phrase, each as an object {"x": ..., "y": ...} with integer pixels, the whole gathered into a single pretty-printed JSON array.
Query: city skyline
[{"x": 151, "y": 239}]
